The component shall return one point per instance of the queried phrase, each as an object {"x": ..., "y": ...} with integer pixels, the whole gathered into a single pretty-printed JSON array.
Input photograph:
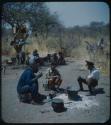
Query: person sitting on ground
[
  {"x": 92, "y": 78},
  {"x": 35, "y": 53},
  {"x": 55, "y": 58},
  {"x": 37, "y": 58},
  {"x": 48, "y": 57},
  {"x": 27, "y": 87},
  {"x": 54, "y": 77},
  {"x": 61, "y": 60},
  {"x": 34, "y": 56}
]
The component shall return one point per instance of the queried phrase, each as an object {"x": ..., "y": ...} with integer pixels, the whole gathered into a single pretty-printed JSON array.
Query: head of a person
[
  {"x": 55, "y": 54},
  {"x": 53, "y": 66},
  {"x": 60, "y": 53},
  {"x": 89, "y": 65},
  {"x": 34, "y": 67},
  {"x": 35, "y": 52}
]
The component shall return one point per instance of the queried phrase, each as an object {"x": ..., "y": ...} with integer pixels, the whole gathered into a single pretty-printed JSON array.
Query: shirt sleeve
[
  {"x": 28, "y": 77},
  {"x": 95, "y": 75},
  {"x": 57, "y": 73}
]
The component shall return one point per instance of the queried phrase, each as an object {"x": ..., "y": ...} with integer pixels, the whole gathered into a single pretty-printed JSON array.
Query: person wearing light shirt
[
  {"x": 92, "y": 78},
  {"x": 34, "y": 56}
]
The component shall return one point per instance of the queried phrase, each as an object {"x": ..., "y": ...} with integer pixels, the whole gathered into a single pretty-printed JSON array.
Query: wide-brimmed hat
[{"x": 89, "y": 63}]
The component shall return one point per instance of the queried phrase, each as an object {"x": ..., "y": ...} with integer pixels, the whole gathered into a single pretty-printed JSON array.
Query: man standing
[
  {"x": 92, "y": 78},
  {"x": 54, "y": 77},
  {"x": 28, "y": 85}
]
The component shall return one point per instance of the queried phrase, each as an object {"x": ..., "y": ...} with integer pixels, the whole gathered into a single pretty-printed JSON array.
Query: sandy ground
[{"x": 90, "y": 109}]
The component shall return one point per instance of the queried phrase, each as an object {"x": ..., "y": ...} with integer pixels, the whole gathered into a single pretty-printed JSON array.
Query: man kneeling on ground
[
  {"x": 92, "y": 78},
  {"x": 27, "y": 87},
  {"x": 54, "y": 77}
]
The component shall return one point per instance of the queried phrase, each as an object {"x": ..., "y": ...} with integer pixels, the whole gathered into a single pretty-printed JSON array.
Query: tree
[
  {"x": 96, "y": 24},
  {"x": 36, "y": 13}
]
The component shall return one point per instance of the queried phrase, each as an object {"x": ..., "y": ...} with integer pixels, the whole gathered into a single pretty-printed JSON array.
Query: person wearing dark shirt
[
  {"x": 55, "y": 59},
  {"x": 53, "y": 76},
  {"x": 28, "y": 83},
  {"x": 61, "y": 60}
]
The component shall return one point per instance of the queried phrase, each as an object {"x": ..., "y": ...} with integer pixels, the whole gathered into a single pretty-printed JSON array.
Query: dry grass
[
  {"x": 80, "y": 52},
  {"x": 50, "y": 45},
  {"x": 101, "y": 61},
  {"x": 41, "y": 45}
]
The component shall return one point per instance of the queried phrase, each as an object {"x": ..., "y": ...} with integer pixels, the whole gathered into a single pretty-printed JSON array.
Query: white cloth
[
  {"x": 32, "y": 59},
  {"x": 49, "y": 73},
  {"x": 95, "y": 74}
]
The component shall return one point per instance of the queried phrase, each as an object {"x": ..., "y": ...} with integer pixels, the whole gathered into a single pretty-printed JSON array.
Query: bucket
[{"x": 58, "y": 105}]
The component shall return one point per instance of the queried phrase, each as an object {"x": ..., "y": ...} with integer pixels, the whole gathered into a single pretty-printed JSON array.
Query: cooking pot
[
  {"x": 72, "y": 94},
  {"x": 58, "y": 105}
]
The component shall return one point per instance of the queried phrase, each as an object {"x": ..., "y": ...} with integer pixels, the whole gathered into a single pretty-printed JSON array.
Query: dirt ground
[{"x": 90, "y": 109}]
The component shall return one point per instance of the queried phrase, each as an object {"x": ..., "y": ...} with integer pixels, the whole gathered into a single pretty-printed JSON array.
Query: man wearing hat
[
  {"x": 27, "y": 87},
  {"x": 54, "y": 77},
  {"x": 92, "y": 78}
]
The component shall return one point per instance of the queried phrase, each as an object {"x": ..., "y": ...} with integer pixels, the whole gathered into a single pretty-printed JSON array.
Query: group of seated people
[
  {"x": 28, "y": 88},
  {"x": 58, "y": 59},
  {"x": 27, "y": 58}
]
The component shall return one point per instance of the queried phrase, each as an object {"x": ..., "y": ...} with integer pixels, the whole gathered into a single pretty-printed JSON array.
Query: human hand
[
  {"x": 54, "y": 76},
  {"x": 39, "y": 74}
]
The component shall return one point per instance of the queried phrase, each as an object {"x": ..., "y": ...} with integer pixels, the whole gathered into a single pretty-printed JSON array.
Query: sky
[{"x": 80, "y": 13}]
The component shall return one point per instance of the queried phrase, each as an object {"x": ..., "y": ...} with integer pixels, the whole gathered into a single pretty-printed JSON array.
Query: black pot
[
  {"x": 58, "y": 105},
  {"x": 72, "y": 94}
]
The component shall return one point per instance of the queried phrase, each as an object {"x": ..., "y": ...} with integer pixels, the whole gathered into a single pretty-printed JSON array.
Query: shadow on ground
[
  {"x": 76, "y": 98},
  {"x": 99, "y": 91}
]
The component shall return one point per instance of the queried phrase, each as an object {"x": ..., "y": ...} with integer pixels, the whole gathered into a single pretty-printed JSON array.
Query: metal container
[
  {"x": 58, "y": 105},
  {"x": 72, "y": 94}
]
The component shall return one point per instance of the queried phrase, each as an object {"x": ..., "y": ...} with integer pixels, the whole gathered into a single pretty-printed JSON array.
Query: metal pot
[
  {"x": 72, "y": 94},
  {"x": 58, "y": 105}
]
